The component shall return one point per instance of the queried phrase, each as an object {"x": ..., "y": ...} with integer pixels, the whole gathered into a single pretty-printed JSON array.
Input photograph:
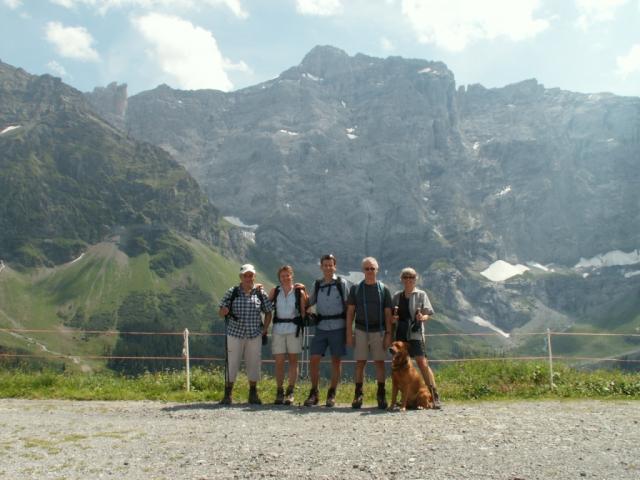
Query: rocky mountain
[
  {"x": 387, "y": 157},
  {"x": 110, "y": 102},
  {"x": 68, "y": 178}
]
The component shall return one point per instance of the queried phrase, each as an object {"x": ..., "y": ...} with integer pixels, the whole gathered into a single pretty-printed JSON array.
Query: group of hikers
[{"x": 334, "y": 304}]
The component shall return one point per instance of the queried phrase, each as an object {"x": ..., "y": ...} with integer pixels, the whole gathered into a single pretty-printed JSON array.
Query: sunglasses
[
  {"x": 369, "y": 269},
  {"x": 408, "y": 278}
]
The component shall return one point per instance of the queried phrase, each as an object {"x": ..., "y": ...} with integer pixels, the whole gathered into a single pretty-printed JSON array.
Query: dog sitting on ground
[{"x": 406, "y": 380}]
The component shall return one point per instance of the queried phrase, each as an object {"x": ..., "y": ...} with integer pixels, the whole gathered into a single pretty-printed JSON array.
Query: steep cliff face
[
  {"x": 366, "y": 156},
  {"x": 558, "y": 171},
  {"x": 354, "y": 155}
]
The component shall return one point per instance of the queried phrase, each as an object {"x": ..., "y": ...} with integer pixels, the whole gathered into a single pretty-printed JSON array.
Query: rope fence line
[
  {"x": 220, "y": 334},
  {"x": 327, "y": 361},
  {"x": 305, "y": 360}
]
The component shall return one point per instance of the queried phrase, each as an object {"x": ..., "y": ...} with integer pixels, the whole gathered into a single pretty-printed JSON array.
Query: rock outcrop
[{"x": 110, "y": 102}]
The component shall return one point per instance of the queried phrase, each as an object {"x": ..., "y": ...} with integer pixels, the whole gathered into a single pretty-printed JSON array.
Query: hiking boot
[
  {"x": 357, "y": 399},
  {"x": 436, "y": 399},
  {"x": 279, "y": 396},
  {"x": 382, "y": 399},
  {"x": 312, "y": 399},
  {"x": 331, "y": 398},
  {"x": 254, "y": 399},
  {"x": 288, "y": 397},
  {"x": 226, "y": 400}
]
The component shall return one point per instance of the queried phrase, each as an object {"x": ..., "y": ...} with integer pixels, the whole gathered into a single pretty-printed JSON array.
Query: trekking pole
[
  {"x": 551, "y": 385},
  {"x": 226, "y": 354},
  {"x": 305, "y": 346},
  {"x": 185, "y": 354}
]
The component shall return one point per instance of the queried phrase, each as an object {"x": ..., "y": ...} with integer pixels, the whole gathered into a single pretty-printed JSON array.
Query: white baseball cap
[{"x": 247, "y": 267}]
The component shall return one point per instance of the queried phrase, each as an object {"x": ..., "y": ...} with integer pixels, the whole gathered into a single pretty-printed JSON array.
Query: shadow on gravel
[{"x": 293, "y": 410}]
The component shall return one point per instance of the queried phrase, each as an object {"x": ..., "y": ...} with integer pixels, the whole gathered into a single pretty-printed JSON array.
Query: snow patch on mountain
[
  {"x": 539, "y": 266},
  {"x": 500, "y": 271},
  {"x": 9, "y": 128},
  {"x": 288, "y": 132},
  {"x": 610, "y": 259},
  {"x": 485, "y": 323},
  {"x": 239, "y": 223},
  {"x": 312, "y": 77},
  {"x": 504, "y": 191}
]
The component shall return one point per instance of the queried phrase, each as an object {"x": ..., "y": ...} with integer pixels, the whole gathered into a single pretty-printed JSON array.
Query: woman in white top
[{"x": 288, "y": 301}]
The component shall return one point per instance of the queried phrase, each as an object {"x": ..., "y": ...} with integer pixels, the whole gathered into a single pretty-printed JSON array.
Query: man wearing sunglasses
[{"x": 370, "y": 303}]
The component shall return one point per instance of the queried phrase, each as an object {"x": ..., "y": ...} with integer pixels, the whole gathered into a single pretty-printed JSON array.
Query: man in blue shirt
[{"x": 328, "y": 296}]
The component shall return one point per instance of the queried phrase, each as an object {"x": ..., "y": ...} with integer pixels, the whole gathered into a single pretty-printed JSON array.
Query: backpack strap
[
  {"x": 298, "y": 294},
  {"x": 276, "y": 292},
  {"x": 362, "y": 291},
  {"x": 340, "y": 287},
  {"x": 299, "y": 320},
  {"x": 234, "y": 294}
]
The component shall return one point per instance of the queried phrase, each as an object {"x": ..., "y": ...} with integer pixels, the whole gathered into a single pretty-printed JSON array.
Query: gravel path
[{"x": 484, "y": 440}]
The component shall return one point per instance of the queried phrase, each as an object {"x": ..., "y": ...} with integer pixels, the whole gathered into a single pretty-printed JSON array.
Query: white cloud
[
  {"x": 236, "y": 7},
  {"x": 56, "y": 68},
  {"x": 386, "y": 45},
  {"x": 453, "y": 24},
  {"x": 322, "y": 8},
  {"x": 13, "y": 4},
  {"x": 630, "y": 63},
  {"x": 596, "y": 11},
  {"x": 105, "y": 5},
  {"x": 186, "y": 52},
  {"x": 71, "y": 42}
]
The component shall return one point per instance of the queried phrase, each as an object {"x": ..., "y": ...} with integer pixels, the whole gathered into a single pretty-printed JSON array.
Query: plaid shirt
[{"x": 246, "y": 308}]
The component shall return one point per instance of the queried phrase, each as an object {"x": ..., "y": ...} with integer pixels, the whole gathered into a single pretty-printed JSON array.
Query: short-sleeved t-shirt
[
  {"x": 329, "y": 303},
  {"x": 377, "y": 298}
]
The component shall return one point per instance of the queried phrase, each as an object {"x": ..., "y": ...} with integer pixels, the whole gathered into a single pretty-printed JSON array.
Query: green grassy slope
[{"x": 89, "y": 293}]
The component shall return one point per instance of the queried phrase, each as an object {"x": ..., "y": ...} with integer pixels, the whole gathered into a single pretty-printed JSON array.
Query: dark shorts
[
  {"x": 334, "y": 339},
  {"x": 416, "y": 349}
]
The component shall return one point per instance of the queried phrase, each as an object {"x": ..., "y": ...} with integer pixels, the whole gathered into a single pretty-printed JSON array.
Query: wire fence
[{"x": 184, "y": 355}]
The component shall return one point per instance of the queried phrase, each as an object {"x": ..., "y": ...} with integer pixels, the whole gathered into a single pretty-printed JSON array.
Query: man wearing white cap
[{"x": 241, "y": 307}]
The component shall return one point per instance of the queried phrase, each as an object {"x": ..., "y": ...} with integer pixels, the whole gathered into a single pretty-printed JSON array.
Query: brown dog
[{"x": 406, "y": 380}]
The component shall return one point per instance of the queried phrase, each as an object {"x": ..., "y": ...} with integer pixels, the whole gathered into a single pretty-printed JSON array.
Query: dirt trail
[{"x": 483, "y": 440}]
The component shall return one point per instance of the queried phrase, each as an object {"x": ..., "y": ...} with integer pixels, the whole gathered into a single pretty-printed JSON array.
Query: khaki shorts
[
  {"x": 287, "y": 343},
  {"x": 372, "y": 342}
]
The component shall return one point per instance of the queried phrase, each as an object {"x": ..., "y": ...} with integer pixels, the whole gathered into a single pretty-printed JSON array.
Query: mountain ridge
[
  {"x": 388, "y": 157},
  {"x": 69, "y": 177}
]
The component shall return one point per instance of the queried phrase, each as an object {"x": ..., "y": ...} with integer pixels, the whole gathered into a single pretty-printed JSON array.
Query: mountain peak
[
  {"x": 324, "y": 59},
  {"x": 324, "y": 53}
]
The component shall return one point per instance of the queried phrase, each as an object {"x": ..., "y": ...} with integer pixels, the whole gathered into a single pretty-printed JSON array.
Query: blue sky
[{"x": 580, "y": 45}]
